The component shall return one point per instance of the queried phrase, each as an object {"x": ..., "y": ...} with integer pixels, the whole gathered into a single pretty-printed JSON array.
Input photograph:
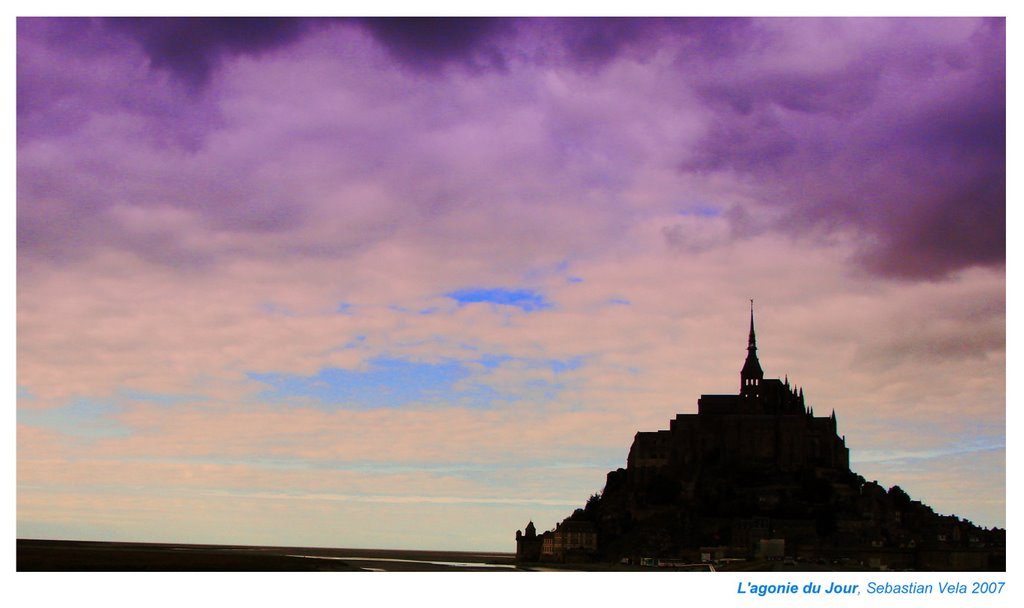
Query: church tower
[{"x": 751, "y": 375}]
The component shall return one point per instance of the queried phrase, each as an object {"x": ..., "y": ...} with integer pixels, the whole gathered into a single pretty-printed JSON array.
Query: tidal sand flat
[{"x": 89, "y": 556}]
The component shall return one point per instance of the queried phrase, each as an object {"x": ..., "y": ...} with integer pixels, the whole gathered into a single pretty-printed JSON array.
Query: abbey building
[
  {"x": 764, "y": 428},
  {"x": 754, "y": 475}
]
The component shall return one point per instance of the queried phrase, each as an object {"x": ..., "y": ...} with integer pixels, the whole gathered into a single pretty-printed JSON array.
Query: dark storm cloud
[
  {"x": 71, "y": 70},
  {"x": 428, "y": 43},
  {"x": 87, "y": 91},
  {"x": 597, "y": 41},
  {"x": 890, "y": 130},
  {"x": 190, "y": 47},
  {"x": 903, "y": 143}
]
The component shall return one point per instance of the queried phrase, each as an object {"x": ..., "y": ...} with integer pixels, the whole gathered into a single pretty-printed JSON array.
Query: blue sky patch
[
  {"x": 567, "y": 365},
  {"x": 274, "y": 309},
  {"x": 525, "y": 299},
  {"x": 390, "y": 383},
  {"x": 155, "y": 398},
  {"x": 494, "y": 361},
  {"x": 82, "y": 417},
  {"x": 387, "y": 383}
]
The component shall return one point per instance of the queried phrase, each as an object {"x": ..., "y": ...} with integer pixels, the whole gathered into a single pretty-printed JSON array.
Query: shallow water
[{"x": 450, "y": 564}]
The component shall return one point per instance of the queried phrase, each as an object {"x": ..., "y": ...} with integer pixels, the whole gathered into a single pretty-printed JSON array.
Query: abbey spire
[{"x": 751, "y": 375}]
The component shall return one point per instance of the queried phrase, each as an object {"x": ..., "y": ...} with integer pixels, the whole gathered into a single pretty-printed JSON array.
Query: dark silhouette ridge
[{"x": 757, "y": 476}]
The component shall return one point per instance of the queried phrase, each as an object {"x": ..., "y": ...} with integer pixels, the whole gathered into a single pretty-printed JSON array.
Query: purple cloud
[
  {"x": 70, "y": 71},
  {"x": 902, "y": 141},
  {"x": 892, "y": 131},
  {"x": 191, "y": 47}
]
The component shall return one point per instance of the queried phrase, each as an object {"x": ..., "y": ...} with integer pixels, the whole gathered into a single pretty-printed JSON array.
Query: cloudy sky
[{"x": 411, "y": 284}]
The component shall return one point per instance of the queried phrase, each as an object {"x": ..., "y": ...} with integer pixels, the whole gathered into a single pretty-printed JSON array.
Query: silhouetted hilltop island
[{"x": 757, "y": 475}]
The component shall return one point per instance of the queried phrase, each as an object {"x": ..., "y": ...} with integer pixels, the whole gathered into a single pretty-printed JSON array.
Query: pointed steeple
[
  {"x": 751, "y": 339},
  {"x": 751, "y": 375}
]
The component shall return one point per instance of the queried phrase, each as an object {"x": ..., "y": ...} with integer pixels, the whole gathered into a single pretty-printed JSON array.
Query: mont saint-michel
[{"x": 757, "y": 474}]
